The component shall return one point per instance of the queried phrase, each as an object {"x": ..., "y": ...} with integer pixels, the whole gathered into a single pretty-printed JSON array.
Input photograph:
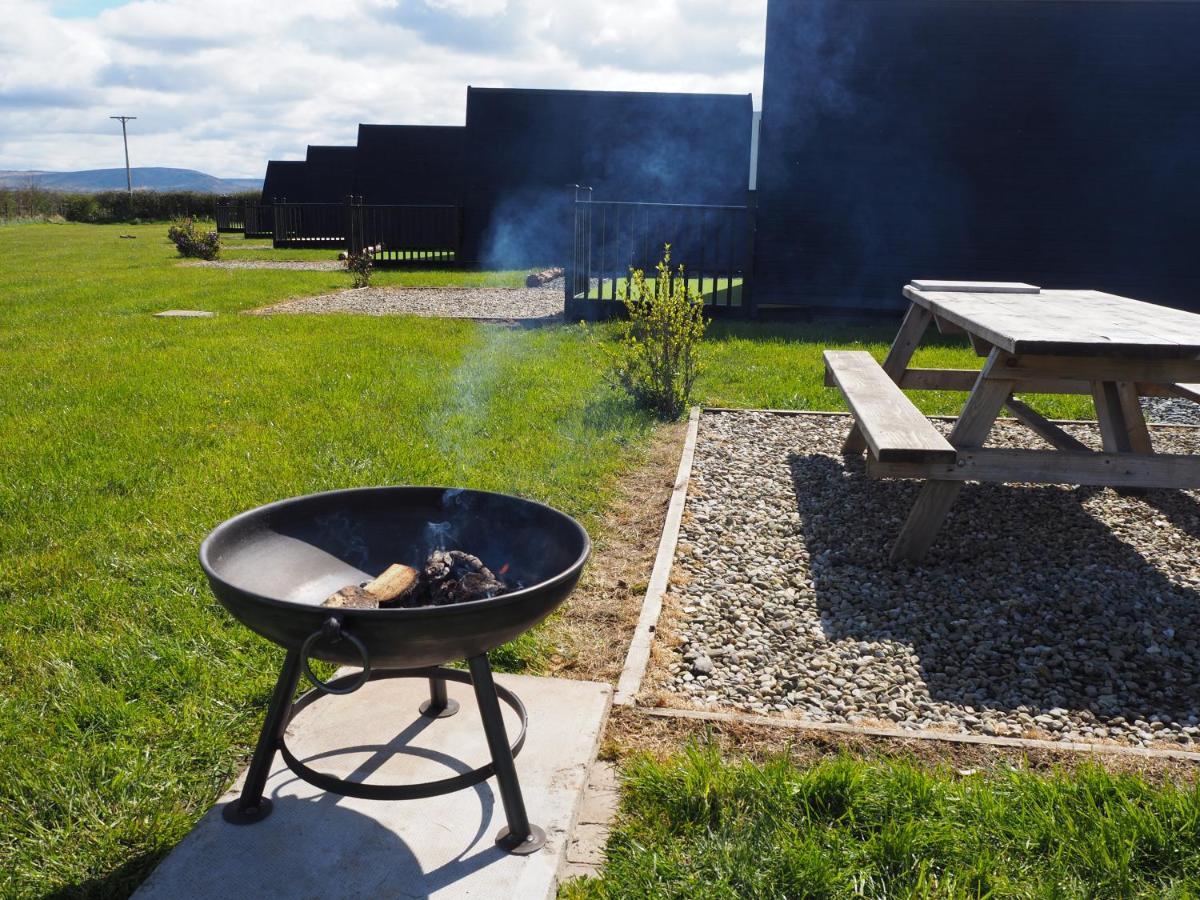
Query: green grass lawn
[
  {"x": 697, "y": 826},
  {"x": 127, "y": 696}
]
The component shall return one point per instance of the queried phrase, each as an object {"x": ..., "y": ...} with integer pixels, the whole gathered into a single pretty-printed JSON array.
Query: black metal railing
[
  {"x": 394, "y": 233},
  {"x": 310, "y": 224},
  {"x": 714, "y": 245},
  {"x": 398, "y": 233},
  {"x": 259, "y": 220},
  {"x": 230, "y": 216}
]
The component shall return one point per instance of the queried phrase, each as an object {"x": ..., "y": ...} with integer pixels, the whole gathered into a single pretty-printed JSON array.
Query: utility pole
[{"x": 125, "y": 138}]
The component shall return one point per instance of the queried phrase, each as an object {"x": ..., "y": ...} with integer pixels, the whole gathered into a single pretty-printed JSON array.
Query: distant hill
[{"x": 147, "y": 178}]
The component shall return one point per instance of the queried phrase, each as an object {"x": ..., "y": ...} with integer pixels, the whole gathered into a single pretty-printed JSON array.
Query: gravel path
[
  {"x": 540, "y": 304},
  {"x": 1171, "y": 410},
  {"x": 310, "y": 265},
  {"x": 1043, "y": 611}
]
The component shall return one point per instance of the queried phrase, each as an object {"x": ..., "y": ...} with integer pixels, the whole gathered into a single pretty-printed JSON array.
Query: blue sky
[
  {"x": 224, "y": 85},
  {"x": 82, "y": 9}
]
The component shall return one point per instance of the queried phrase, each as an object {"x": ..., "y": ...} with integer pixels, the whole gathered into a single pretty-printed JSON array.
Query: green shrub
[
  {"x": 658, "y": 357},
  {"x": 361, "y": 266},
  {"x": 194, "y": 242}
]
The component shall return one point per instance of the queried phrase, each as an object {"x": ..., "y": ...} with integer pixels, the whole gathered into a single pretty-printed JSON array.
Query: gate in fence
[
  {"x": 230, "y": 216},
  {"x": 714, "y": 244}
]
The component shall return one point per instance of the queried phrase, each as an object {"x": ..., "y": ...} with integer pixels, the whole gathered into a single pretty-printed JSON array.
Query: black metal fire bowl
[{"x": 272, "y": 567}]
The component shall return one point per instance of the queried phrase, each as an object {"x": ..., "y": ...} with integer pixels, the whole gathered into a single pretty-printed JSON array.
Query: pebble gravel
[
  {"x": 530, "y": 305},
  {"x": 1171, "y": 410},
  {"x": 1054, "y": 612}
]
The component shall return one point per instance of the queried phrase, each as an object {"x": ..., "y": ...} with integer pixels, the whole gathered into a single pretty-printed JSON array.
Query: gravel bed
[
  {"x": 1171, "y": 410},
  {"x": 540, "y": 304},
  {"x": 310, "y": 265},
  {"x": 1041, "y": 611}
]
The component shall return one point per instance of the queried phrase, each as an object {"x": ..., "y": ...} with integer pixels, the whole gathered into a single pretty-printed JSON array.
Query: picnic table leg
[
  {"x": 971, "y": 430},
  {"x": 1135, "y": 420},
  {"x": 908, "y": 338},
  {"x": 1122, "y": 425}
]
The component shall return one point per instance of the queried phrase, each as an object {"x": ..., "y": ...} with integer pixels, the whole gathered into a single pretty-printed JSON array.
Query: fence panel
[
  {"x": 407, "y": 232},
  {"x": 310, "y": 224},
  {"x": 230, "y": 217},
  {"x": 260, "y": 220},
  {"x": 713, "y": 244}
]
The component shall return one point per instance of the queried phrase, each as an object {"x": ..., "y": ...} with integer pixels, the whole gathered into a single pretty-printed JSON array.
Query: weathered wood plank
[
  {"x": 893, "y": 428},
  {"x": 1113, "y": 433},
  {"x": 937, "y": 496},
  {"x": 1160, "y": 371},
  {"x": 1043, "y": 427},
  {"x": 1186, "y": 391},
  {"x": 1134, "y": 420},
  {"x": 1077, "y": 322},
  {"x": 1118, "y": 470},
  {"x": 964, "y": 380},
  {"x": 976, "y": 287},
  {"x": 912, "y": 329},
  {"x": 945, "y": 327}
]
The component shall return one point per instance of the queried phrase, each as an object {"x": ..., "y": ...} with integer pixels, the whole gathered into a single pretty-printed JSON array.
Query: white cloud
[{"x": 224, "y": 85}]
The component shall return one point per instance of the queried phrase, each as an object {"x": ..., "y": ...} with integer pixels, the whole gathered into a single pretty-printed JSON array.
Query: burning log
[
  {"x": 449, "y": 576},
  {"x": 537, "y": 279},
  {"x": 452, "y": 576},
  {"x": 390, "y": 588}
]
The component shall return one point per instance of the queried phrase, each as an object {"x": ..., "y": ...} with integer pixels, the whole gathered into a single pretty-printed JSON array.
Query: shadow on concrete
[
  {"x": 1025, "y": 599},
  {"x": 324, "y": 846},
  {"x": 403, "y": 872}
]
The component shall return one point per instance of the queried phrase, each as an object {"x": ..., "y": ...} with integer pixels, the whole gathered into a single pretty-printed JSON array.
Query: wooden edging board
[
  {"x": 638, "y": 657},
  {"x": 948, "y": 737}
]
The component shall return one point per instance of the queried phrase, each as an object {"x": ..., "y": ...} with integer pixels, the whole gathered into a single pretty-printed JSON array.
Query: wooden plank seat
[
  {"x": 1186, "y": 391},
  {"x": 894, "y": 429}
]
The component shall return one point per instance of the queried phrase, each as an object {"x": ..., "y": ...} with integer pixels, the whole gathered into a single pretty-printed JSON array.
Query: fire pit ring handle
[{"x": 331, "y": 629}]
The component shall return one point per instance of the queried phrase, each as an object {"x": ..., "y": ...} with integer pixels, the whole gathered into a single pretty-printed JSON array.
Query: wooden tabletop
[{"x": 1067, "y": 323}]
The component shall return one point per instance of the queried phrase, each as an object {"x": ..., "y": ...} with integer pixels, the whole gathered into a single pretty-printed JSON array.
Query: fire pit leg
[
  {"x": 438, "y": 706},
  {"x": 252, "y": 806},
  {"x": 520, "y": 836}
]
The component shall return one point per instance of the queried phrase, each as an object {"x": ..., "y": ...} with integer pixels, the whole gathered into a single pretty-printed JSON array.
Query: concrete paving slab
[
  {"x": 593, "y": 824},
  {"x": 323, "y": 845}
]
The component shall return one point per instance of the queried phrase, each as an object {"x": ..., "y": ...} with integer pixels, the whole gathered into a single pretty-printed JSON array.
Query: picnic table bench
[{"x": 1034, "y": 341}]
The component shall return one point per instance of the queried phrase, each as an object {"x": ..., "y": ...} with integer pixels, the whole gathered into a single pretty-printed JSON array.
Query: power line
[{"x": 125, "y": 138}]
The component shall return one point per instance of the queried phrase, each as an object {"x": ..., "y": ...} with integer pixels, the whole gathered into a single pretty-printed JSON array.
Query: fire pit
[{"x": 273, "y": 567}]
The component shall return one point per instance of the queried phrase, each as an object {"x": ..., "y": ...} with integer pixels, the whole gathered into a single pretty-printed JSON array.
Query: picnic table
[{"x": 1034, "y": 341}]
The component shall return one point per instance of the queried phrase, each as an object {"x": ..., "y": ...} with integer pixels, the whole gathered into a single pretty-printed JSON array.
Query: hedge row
[{"x": 110, "y": 206}]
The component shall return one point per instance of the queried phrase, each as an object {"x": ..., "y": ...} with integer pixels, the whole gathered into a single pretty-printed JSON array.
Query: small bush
[
  {"x": 659, "y": 353},
  {"x": 194, "y": 242},
  {"x": 361, "y": 266}
]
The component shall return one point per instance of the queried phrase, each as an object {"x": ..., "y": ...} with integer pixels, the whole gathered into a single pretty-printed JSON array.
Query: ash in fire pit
[{"x": 448, "y": 576}]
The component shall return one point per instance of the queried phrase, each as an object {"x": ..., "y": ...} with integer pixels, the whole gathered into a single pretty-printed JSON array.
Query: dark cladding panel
[
  {"x": 285, "y": 180},
  {"x": 525, "y": 146},
  {"x": 410, "y": 164},
  {"x": 329, "y": 174},
  {"x": 1052, "y": 142}
]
